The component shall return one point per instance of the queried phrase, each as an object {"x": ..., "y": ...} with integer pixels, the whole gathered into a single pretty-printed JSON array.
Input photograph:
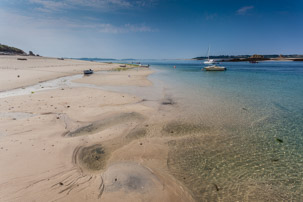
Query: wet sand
[{"x": 82, "y": 143}]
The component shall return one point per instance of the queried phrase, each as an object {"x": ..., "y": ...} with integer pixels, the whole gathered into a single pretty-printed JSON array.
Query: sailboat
[
  {"x": 212, "y": 66},
  {"x": 209, "y": 61}
]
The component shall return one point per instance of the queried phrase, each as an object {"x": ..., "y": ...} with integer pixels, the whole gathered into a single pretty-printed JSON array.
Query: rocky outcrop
[
  {"x": 257, "y": 56},
  {"x": 31, "y": 53}
]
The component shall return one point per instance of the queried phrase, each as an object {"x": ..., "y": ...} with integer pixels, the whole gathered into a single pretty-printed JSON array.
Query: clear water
[
  {"x": 238, "y": 135},
  {"x": 253, "y": 147}
]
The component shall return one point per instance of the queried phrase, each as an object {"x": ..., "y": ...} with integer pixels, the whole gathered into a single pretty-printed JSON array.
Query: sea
[{"x": 242, "y": 129}]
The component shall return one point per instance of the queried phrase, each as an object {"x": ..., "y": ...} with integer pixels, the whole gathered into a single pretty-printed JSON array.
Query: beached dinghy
[
  {"x": 88, "y": 71},
  {"x": 214, "y": 68}
]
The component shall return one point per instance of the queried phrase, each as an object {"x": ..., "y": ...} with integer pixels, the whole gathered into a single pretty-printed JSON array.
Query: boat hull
[
  {"x": 86, "y": 72},
  {"x": 214, "y": 68},
  {"x": 210, "y": 62}
]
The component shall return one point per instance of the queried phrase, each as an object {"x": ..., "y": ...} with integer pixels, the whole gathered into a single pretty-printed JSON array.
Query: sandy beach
[
  {"x": 81, "y": 143},
  {"x": 151, "y": 101}
]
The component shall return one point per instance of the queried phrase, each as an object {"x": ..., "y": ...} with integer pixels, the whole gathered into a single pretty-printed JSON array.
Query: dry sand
[
  {"x": 18, "y": 73},
  {"x": 80, "y": 143}
]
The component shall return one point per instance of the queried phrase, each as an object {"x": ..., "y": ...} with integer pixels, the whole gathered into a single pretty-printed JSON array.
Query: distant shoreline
[
  {"x": 255, "y": 57},
  {"x": 240, "y": 58},
  {"x": 260, "y": 60}
]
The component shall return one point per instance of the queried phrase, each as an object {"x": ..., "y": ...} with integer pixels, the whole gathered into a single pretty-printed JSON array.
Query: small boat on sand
[
  {"x": 214, "y": 68},
  {"x": 88, "y": 71},
  {"x": 123, "y": 65}
]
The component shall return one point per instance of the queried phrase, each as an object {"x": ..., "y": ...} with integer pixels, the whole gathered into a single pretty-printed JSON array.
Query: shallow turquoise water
[
  {"x": 252, "y": 108},
  {"x": 254, "y": 151}
]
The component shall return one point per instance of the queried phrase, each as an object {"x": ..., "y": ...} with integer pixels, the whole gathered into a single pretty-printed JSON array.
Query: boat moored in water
[{"x": 214, "y": 68}]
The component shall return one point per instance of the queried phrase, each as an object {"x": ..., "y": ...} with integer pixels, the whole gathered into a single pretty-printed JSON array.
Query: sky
[{"x": 152, "y": 29}]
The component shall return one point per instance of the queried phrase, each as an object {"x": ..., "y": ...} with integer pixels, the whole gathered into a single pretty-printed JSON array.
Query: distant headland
[
  {"x": 255, "y": 57},
  {"x": 9, "y": 50}
]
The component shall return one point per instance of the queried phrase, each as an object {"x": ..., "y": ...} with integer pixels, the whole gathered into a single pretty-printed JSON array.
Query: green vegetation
[
  {"x": 120, "y": 69},
  {"x": 10, "y": 50},
  {"x": 128, "y": 66},
  {"x": 124, "y": 68},
  {"x": 134, "y": 65}
]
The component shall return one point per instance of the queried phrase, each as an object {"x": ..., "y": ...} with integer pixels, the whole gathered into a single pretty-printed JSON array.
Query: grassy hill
[{"x": 8, "y": 50}]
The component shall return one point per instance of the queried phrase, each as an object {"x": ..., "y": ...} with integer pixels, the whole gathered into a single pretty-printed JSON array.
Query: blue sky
[{"x": 152, "y": 28}]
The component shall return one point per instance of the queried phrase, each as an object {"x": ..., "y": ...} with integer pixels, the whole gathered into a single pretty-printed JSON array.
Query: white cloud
[
  {"x": 244, "y": 10},
  {"x": 56, "y": 35},
  {"x": 110, "y": 28},
  {"x": 146, "y": 3},
  {"x": 65, "y": 24},
  {"x": 49, "y": 4},
  {"x": 99, "y": 3},
  {"x": 62, "y": 37},
  {"x": 137, "y": 28},
  {"x": 52, "y": 5}
]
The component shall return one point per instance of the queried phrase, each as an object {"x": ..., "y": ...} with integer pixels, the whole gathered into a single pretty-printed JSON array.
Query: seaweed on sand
[
  {"x": 279, "y": 140},
  {"x": 92, "y": 157},
  {"x": 110, "y": 121},
  {"x": 136, "y": 133},
  {"x": 179, "y": 128}
]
